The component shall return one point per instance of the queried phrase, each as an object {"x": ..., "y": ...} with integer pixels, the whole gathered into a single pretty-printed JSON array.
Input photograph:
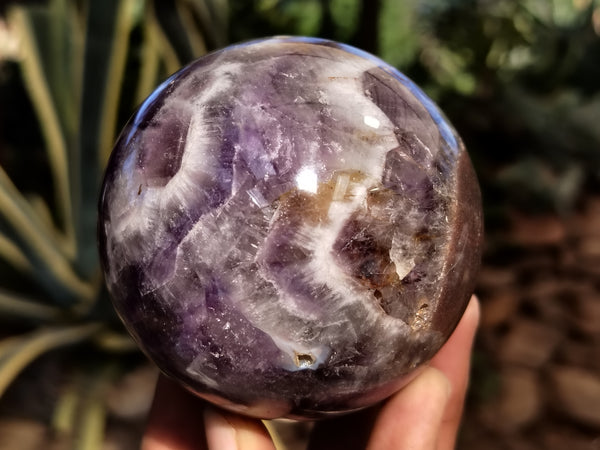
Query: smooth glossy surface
[{"x": 289, "y": 227}]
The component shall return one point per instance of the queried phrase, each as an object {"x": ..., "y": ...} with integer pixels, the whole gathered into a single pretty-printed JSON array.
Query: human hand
[{"x": 424, "y": 415}]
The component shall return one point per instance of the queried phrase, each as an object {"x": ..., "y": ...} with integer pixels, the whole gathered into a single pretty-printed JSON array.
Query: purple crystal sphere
[{"x": 289, "y": 228}]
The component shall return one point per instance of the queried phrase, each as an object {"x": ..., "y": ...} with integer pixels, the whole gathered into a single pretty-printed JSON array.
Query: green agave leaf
[
  {"x": 51, "y": 45},
  {"x": 11, "y": 253},
  {"x": 213, "y": 16},
  {"x": 124, "y": 16},
  {"x": 19, "y": 351},
  {"x": 92, "y": 415},
  {"x": 90, "y": 434},
  {"x": 170, "y": 16},
  {"x": 18, "y": 213},
  {"x": 194, "y": 35},
  {"x": 159, "y": 55},
  {"x": 13, "y": 305},
  {"x": 59, "y": 38},
  {"x": 151, "y": 57},
  {"x": 169, "y": 56},
  {"x": 39, "y": 246},
  {"x": 108, "y": 27},
  {"x": 156, "y": 37},
  {"x": 115, "y": 342},
  {"x": 188, "y": 28},
  {"x": 47, "y": 47},
  {"x": 80, "y": 412},
  {"x": 64, "y": 416}
]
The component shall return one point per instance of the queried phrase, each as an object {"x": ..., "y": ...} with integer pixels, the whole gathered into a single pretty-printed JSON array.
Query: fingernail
[
  {"x": 443, "y": 380},
  {"x": 220, "y": 435}
]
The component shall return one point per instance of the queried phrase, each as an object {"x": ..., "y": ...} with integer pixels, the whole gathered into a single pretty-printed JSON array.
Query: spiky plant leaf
[
  {"x": 37, "y": 243},
  {"x": 152, "y": 57},
  {"x": 80, "y": 412},
  {"x": 64, "y": 416},
  {"x": 17, "y": 306},
  {"x": 158, "y": 41},
  {"x": 109, "y": 24},
  {"x": 48, "y": 40},
  {"x": 115, "y": 342},
  {"x": 17, "y": 352},
  {"x": 89, "y": 431},
  {"x": 213, "y": 17},
  {"x": 170, "y": 16},
  {"x": 13, "y": 255}
]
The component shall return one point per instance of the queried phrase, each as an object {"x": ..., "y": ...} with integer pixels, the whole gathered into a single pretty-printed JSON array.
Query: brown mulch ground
[
  {"x": 536, "y": 370},
  {"x": 536, "y": 376}
]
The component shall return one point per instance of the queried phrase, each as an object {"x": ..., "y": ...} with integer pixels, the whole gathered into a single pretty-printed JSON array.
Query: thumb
[
  {"x": 180, "y": 421},
  {"x": 228, "y": 431},
  {"x": 411, "y": 419}
]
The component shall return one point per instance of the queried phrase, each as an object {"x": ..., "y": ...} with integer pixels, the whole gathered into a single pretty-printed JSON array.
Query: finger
[
  {"x": 180, "y": 421},
  {"x": 454, "y": 361},
  {"x": 334, "y": 434},
  {"x": 411, "y": 419},
  {"x": 175, "y": 421},
  {"x": 228, "y": 431}
]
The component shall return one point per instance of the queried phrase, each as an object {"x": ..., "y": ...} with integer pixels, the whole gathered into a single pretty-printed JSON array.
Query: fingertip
[
  {"x": 219, "y": 432},
  {"x": 454, "y": 360},
  {"x": 229, "y": 431},
  {"x": 412, "y": 417},
  {"x": 458, "y": 347}
]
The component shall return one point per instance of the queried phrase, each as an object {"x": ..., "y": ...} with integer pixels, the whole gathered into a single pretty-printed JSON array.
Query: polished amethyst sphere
[{"x": 290, "y": 227}]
